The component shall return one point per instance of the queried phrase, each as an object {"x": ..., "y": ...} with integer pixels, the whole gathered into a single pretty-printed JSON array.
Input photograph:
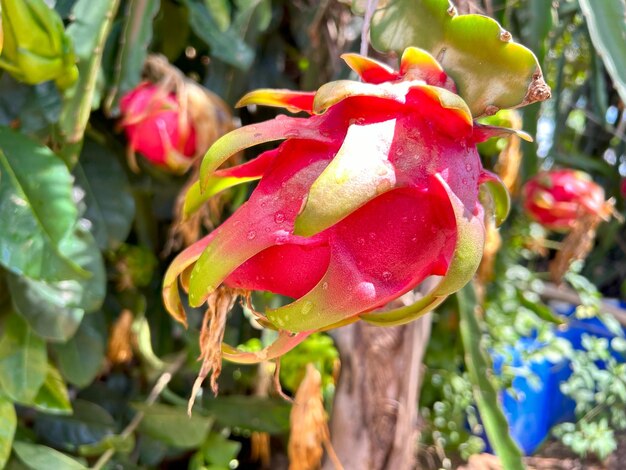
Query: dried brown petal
[
  {"x": 576, "y": 245},
  {"x": 309, "y": 425},
  {"x": 260, "y": 448},
  {"x": 219, "y": 303},
  {"x": 120, "y": 349}
]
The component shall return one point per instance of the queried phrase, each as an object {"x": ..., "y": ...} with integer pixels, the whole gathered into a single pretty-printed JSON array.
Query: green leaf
[
  {"x": 171, "y": 425},
  {"x": 219, "y": 451},
  {"x": 23, "y": 360},
  {"x": 227, "y": 46},
  {"x": 110, "y": 203},
  {"x": 80, "y": 359},
  {"x": 36, "y": 107},
  {"x": 607, "y": 28},
  {"x": 8, "y": 418},
  {"x": 132, "y": 50},
  {"x": 36, "y": 210},
  {"x": 49, "y": 308},
  {"x": 116, "y": 442},
  {"x": 252, "y": 413},
  {"x": 52, "y": 397},
  {"x": 88, "y": 424},
  {"x": 220, "y": 12},
  {"x": 44, "y": 458},
  {"x": 479, "y": 370},
  {"x": 55, "y": 310},
  {"x": 490, "y": 71},
  {"x": 533, "y": 302}
]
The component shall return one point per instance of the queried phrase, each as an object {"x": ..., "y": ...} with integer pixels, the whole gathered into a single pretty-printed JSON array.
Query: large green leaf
[
  {"x": 227, "y": 46},
  {"x": 133, "y": 49},
  {"x": 53, "y": 397},
  {"x": 88, "y": 424},
  {"x": 252, "y": 413},
  {"x": 54, "y": 310},
  {"x": 44, "y": 458},
  {"x": 491, "y": 72},
  {"x": 36, "y": 107},
  {"x": 478, "y": 367},
  {"x": 173, "y": 426},
  {"x": 110, "y": 203},
  {"x": 49, "y": 308},
  {"x": 23, "y": 360},
  {"x": 36, "y": 210},
  {"x": 606, "y": 20},
  {"x": 8, "y": 419},
  {"x": 80, "y": 359}
]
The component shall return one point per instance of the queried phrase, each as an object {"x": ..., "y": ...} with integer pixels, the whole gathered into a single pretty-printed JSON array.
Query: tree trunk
[{"x": 374, "y": 421}]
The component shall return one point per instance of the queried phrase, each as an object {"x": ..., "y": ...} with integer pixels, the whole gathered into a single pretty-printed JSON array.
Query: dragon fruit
[
  {"x": 374, "y": 192},
  {"x": 156, "y": 127},
  {"x": 558, "y": 198}
]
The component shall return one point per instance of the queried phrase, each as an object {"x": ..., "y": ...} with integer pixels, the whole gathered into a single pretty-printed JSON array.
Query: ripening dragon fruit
[
  {"x": 375, "y": 191},
  {"x": 153, "y": 125},
  {"x": 557, "y": 199}
]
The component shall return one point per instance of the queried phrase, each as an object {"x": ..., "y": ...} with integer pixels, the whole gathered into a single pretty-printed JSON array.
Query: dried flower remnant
[{"x": 309, "y": 425}]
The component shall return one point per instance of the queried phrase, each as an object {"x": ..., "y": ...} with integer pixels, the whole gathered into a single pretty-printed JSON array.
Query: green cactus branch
[
  {"x": 477, "y": 364},
  {"x": 89, "y": 35}
]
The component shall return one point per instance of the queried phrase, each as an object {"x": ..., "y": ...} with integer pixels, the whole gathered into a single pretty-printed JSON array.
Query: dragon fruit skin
[
  {"x": 371, "y": 194},
  {"x": 557, "y": 198},
  {"x": 151, "y": 120}
]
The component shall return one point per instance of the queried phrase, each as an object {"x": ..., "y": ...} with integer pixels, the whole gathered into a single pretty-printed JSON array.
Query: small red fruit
[
  {"x": 556, "y": 199},
  {"x": 157, "y": 128}
]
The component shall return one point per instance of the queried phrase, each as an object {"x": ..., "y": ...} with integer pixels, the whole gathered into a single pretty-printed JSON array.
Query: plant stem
[
  {"x": 78, "y": 100},
  {"x": 367, "y": 20},
  {"x": 564, "y": 294},
  {"x": 158, "y": 388}
]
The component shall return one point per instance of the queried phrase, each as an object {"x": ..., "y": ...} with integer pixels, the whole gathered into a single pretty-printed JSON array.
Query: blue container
[{"x": 533, "y": 411}]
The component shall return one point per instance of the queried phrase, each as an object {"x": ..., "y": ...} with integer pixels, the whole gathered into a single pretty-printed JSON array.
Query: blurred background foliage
[{"x": 94, "y": 373}]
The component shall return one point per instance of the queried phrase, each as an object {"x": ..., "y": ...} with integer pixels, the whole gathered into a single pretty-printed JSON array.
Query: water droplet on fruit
[
  {"x": 361, "y": 240},
  {"x": 251, "y": 235},
  {"x": 279, "y": 217},
  {"x": 464, "y": 181},
  {"x": 468, "y": 167},
  {"x": 386, "y": 275},
  {"x": 307, "y": 307},
  {"x": 325, "y": 285}
]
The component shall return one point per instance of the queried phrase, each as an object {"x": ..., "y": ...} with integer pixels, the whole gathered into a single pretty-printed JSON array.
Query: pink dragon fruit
[
  {"x": 152, "y": 122},
  {"x": 558, "y": 198},
  {"x": 375, "y": 191}
]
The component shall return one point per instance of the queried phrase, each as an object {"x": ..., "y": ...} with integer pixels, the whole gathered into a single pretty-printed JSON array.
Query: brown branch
[
  {"x": 156, "y": 391},
  {"x": 564, "y": 294}
]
